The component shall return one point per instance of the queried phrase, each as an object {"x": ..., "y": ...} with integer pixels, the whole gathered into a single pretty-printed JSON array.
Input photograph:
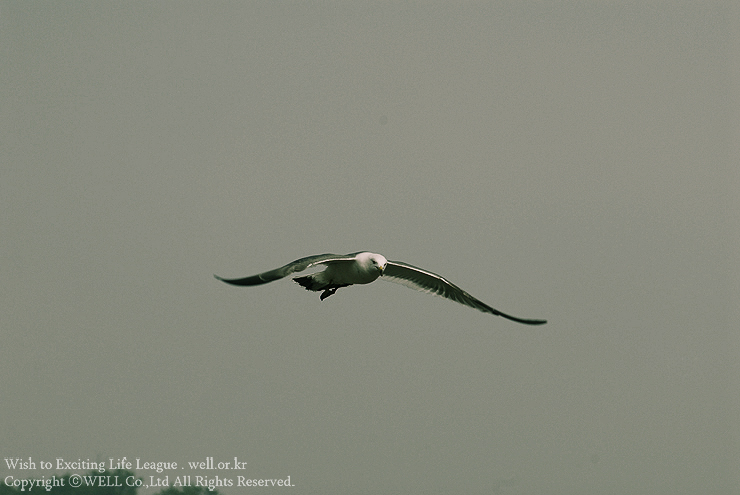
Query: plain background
[{"x": 574, "y": 161}]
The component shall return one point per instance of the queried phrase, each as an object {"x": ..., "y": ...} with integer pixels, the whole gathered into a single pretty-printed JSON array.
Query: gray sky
[{"x": 575, "y": 161}]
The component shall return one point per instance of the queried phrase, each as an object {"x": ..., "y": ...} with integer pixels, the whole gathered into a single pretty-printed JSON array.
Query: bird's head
[{"x": 378, "y": 262}]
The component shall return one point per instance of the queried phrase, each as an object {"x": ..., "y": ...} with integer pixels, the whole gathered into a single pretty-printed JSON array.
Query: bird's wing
[
  {"x": 284, "y": 271},
  {"x": 426, "y": 281}
]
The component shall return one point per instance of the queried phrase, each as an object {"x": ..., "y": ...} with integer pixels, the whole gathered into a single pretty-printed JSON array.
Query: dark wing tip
[
  {"x": 534, "y": 322},
  {"x": 521, "y": 320},
  {"x": 253, "y": 280}
]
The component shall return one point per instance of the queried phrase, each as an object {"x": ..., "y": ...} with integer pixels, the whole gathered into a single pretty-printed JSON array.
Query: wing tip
[
  {"x": 521, "y": 320},
  {"x": 224, "y": 280},
  {"x": 232, "y": 281},
  {"x": 532, "y": 322}
]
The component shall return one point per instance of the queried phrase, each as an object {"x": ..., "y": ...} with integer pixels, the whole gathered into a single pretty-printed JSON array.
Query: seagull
[{"x": 363, "y": 268}]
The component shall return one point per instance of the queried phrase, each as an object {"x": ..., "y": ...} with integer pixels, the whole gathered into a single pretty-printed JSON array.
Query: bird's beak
[{"x": 380, "y": 269}]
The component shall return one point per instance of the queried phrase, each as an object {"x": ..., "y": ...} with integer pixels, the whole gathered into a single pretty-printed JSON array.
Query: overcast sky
[{"x": 573, "y": 161}]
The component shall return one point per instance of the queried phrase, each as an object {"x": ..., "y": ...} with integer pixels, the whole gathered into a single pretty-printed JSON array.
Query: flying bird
[{"x": 363, "y": 268}]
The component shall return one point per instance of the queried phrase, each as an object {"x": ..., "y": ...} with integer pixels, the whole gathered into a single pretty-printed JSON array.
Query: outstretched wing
[
  {"x": 426, "y": 281},
  {"x": 284, "y": 271}
]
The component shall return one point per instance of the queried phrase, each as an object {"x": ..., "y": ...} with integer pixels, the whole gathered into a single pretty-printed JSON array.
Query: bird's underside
[{"x": 310, "y": 283}]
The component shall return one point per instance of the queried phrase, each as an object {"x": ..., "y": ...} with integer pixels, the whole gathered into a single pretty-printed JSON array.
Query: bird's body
[{"x": 363, "y": 268}]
